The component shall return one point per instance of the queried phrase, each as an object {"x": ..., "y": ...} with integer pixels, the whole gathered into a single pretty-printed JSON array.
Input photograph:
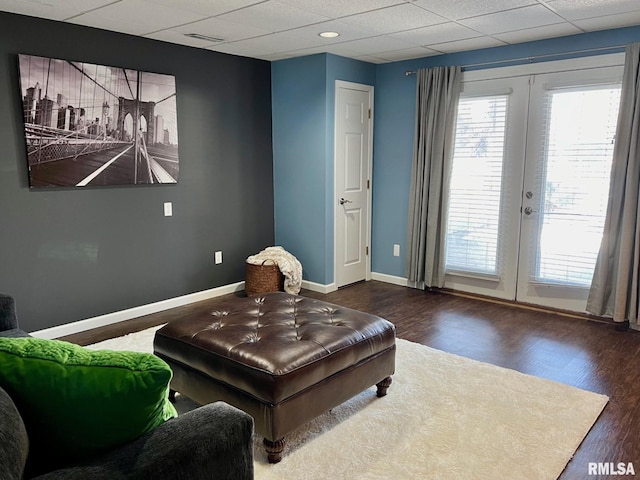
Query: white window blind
[
  {"x": 579, "y": 138},
  {"x": 476, "y": 185}
]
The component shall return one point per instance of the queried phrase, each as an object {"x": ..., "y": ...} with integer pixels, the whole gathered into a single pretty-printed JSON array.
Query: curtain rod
[{"x": 530, "y": 59}]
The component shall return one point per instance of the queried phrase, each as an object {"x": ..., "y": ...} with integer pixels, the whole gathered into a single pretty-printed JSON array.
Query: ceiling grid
[{"x": 378, "y": 31}]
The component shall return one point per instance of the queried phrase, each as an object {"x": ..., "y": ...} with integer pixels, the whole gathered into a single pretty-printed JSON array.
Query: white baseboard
[
  {"x": 135, "y": 312},
  {"x": 383, "y": 277},
  {"x": 318, "y": 287}
]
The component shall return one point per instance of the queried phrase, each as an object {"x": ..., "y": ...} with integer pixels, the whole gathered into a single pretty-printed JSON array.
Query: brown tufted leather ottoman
[{"x": 284, "y": 359}]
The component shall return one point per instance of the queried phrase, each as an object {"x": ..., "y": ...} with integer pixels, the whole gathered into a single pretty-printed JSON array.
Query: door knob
[
  {"x": 343, "y": 201},
  {"x": 528, "y": 211}
]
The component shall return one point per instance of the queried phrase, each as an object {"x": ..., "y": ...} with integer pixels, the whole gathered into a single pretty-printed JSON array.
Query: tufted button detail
[{"x": 252, "y": 338}]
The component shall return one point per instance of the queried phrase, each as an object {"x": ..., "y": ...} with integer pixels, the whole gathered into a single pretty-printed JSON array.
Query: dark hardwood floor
[{"x": 584, "y": 353}]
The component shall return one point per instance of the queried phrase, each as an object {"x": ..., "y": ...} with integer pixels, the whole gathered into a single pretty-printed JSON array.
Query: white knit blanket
[{"x": 289, "y": 265}]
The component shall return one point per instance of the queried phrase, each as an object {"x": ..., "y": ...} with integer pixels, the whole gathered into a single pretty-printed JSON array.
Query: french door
[{"x": 530, "y": 181}]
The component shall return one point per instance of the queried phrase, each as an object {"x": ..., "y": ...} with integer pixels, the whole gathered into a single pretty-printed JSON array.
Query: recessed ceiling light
[
  {"x": 204, "y": 37},
  {"x": 329, "y": 34}
]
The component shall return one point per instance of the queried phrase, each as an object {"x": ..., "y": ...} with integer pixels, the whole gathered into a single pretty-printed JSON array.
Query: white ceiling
[{"x": 377, "y": 31}]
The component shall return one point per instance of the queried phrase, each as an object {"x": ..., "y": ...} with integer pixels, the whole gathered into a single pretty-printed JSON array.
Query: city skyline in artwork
[{"x": 88, "y": 124}]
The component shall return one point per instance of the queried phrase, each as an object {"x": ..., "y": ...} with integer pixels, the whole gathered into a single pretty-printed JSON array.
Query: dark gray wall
[{"x": 71, "y": 254}]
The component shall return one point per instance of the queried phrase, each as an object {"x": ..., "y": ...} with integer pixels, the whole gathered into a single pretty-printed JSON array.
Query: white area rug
[{"x": 445, "y": 417}]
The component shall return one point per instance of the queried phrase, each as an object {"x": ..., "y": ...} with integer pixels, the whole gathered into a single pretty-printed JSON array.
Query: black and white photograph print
[{"x": 91, "y": 125}]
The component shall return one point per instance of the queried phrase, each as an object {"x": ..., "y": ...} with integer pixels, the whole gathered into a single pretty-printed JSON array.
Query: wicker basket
[{"x": 263, "y": 279}]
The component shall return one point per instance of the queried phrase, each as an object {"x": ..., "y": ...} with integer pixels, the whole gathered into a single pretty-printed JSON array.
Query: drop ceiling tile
[
  {"x": 304, "y": 38},
  {"x": 235, "y": 49},
  {"x": 394, "y": 19},
  {"x": 538, "y": 33},
  {"x": 52, "y": 9},
  {"x": 136, "y": 17},
  {"x": 215, "y": 27},
  {"x": 347, "y": 31},
  {"x": 273, "y": 16},
  {"x": 341, "y": 8},
  {"x": 338, "y": 49},
  {"x": 371, "y": 59},
  {"x": 208, "y": 8},
  {"x": 372, "y": 45},
  {"x": 177, "y": 37},
  {"x": 458, "y": 9},
  {"x": 516, "y": 19},
  {"x": 278, "y": 43},
  {"x": 275, "y": 57},
  {"x": 443, "y": 32},
  {"x": 610, "y": 21},
  {"x": 582, "y": 9},
  {"x": 468, "y": 44},
  {"x": 357, "y": 48},
  {"x": 414, "y": 52}
]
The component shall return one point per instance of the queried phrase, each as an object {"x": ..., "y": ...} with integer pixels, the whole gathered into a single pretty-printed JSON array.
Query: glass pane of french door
[
  {"x": 579, "y": 149},
  {"x": 475, "y": 191}
]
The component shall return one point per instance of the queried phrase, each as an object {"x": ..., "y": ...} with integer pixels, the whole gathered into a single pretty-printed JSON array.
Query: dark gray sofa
[
  {"x": 214, "y": 441},
  {"x": 8, "y": 318}
]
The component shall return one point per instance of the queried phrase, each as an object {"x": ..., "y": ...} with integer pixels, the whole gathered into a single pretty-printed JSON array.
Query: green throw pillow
[{"x": 76, "y": 402}]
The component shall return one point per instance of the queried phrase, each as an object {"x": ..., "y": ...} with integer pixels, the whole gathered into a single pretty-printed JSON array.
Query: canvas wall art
[{"x": 91, "y": 125}]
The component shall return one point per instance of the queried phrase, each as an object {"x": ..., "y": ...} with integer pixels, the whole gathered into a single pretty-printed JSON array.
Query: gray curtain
[
  {"x": 614, "y": 289},
  {"x": 437, "y": 94}
]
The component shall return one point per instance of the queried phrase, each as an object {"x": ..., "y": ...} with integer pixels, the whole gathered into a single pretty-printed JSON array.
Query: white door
[
  {"x": 353, "y": 153},
  {"x": 530, "y": 182}
]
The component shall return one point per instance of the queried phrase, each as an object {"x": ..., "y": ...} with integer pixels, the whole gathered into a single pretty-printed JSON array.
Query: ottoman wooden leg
[
  {"x": 383, "y": 386},
  {"x": 274, "y": 449}
]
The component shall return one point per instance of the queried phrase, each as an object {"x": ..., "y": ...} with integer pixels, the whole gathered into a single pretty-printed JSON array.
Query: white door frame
[{"x": 369, "y": 88}]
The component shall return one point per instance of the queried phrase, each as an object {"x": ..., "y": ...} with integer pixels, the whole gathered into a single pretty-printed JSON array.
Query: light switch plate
[{"x": 168, "y": 209}]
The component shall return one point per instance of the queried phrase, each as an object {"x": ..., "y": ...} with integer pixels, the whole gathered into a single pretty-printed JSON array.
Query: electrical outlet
[
  {"x": 396, "y": 250},
  {"x": 218, "y": 257},
  {"x": 168, "y": 209}
]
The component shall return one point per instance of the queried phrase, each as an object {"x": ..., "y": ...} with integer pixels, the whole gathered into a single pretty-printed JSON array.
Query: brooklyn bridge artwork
[{"x": 90, "y": 125}]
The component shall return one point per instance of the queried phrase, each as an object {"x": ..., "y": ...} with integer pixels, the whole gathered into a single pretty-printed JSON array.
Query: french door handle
[{"x": 343, "y": 201}]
